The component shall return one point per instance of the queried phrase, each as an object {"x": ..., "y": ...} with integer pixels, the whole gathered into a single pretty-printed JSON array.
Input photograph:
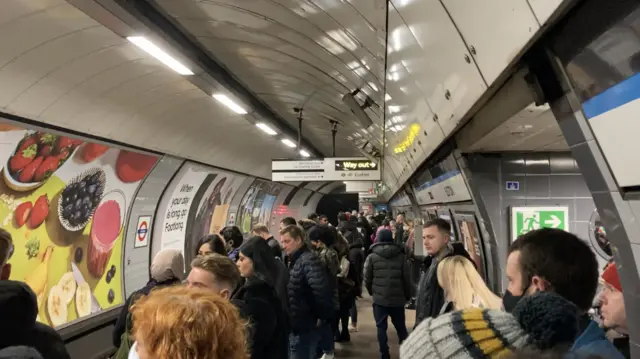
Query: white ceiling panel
[
  {"x": 68, "y": 70},
  {"x": 295, "y": 53}
]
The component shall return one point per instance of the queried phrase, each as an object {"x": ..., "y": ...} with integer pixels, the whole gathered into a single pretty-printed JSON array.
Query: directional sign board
[
  {"x": 327, "y": 169},
  {"x": 525, "y": 219}
]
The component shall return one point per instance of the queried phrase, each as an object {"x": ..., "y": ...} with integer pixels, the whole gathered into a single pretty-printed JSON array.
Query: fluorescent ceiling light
[
  {"x": 387, "y": 97},
  {"x": 225, "y": 100},
  {"x": 393, "y": 108},
  {"x": 159, "y": 54},
  {"x": 304, "y": 153},
  {"x": 268, "y": 130},
  {"x": 373, "y": 86},
  {"x": 288, "y": 142}
]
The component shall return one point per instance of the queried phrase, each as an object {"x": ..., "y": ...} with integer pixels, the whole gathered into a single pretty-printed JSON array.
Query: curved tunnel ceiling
[
  {"x": 290, "y": 54},
  {"x": 62, "y": 67}
]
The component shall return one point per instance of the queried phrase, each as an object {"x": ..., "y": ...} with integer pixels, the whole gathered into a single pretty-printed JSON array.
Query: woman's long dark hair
[{"x": 214, "y": 241}]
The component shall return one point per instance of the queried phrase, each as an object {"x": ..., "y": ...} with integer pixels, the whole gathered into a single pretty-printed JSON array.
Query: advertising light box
[
  {"x": 65, "y": 202},
  {"x": 327, "y": 169}
]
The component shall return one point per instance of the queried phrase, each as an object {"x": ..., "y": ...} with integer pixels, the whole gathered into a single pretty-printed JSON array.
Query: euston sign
[{"x": 327, "y": 169}]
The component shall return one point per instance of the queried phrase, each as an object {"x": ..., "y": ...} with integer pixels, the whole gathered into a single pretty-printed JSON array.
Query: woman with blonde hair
[
  {"x": 187, "y": 323},
  {"x": 463, "y": 287}
]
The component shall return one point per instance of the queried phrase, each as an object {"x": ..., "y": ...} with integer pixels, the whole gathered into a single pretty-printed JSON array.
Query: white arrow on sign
[{"x": 555, "y": 222}]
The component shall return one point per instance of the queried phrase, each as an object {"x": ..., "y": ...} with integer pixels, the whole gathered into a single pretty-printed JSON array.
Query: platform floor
[{"x": 364, "y": 344}]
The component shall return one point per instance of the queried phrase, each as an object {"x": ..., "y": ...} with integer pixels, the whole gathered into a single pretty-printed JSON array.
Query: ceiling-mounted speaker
[{"x": 360, "y": 116}]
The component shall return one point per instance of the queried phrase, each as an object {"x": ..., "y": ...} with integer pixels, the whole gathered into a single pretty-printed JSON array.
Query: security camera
[{"x": 357, "y": 109}]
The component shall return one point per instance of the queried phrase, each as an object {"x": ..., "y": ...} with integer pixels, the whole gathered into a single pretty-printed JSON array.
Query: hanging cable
[
  {"x": 334, "y": 131},
  {"x": 299, "y": 110}
]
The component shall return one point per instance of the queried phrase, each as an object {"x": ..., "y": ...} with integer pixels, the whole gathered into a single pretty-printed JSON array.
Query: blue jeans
[
  {"x": 381, "y": 314},
  {"x": 354, "y": 312},
  {"x": 327, "y": 342},
  {"x": 304, "y": 345}
]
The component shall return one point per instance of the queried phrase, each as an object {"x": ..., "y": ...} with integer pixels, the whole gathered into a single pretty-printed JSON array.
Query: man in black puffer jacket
[
  {"x": 310, "y": 294},
  {"x": 386, "y": 277}
]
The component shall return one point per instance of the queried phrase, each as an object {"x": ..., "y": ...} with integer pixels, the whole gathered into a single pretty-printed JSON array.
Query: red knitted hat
[{"x": 610, "y": 276}]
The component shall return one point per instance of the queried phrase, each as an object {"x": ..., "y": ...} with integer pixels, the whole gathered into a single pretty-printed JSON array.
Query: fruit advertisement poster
[{"x": 65, "y": 202}]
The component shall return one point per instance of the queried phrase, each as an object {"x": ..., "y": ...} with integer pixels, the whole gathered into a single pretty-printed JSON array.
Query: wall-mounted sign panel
[
  {"x": 328, "y": 169},
  {"x": 525, "y": 219},
  {"x": 361, "y": 186},
  {"x": 447, "y": 188}
]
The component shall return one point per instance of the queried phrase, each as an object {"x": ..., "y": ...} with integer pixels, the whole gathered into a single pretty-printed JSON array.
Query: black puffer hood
[
  {"x": 18, "y": 310},
  {"x": 387, "y": 250}
]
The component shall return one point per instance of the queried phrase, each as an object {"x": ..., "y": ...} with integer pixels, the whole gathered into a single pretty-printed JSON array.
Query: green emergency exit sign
[{"x": 525, "y": 219}]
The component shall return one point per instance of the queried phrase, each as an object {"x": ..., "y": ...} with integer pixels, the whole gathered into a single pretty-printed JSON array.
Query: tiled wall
[{"x": 546, "y": 179}]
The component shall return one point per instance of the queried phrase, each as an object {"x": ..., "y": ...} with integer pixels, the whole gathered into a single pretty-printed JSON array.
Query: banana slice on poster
[
  {"x": 83, "y": 300},
  {"x": 68, "y": 286},
  {"x": 57, "y": 306}
]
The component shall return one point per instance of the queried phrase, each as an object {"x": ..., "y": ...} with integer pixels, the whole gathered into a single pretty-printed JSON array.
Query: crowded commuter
[
  {"x": 614, "y": 316},
  {"x": 314, "y": 217},
  {"x": 323, "y": 220},
  {"x": 310, "y": 294},
  {"x": 386, "y": 277},
  {"x": 554, "y": 260},
  {"x": 348, "y": 280},
  {"x": 345, "y": 225},
  {"x": 365, "y": 230},
  {"x": 463, "y": 286},
  {"x": 233, "y": 238},
  {"x": 544, "y": 322},
  {"x": 209, "y": 244},
  {"x": 269, "y": 329},
  {"x": 18, "y": 327},
  {"x": 186, "y": 323},
  {"x": 436, "y": 239},
  {"x": 20, "y": 352},
  {"x": 262, "y": 231},
  {"x": 167, "y": 268},
  {"x": 306, "y": 224},
  {"x": 323, "y": 240},
  {"x": 399, "y": 228},
  {"x": 356, "y": 258},
  {"x": 19, "y": 310},
  {"x": 286, "y": 222},
  {"x": 216, "y": 273}
]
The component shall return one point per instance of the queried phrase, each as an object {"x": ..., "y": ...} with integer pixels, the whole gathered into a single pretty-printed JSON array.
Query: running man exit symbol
[{"x": 525, "y": 219}]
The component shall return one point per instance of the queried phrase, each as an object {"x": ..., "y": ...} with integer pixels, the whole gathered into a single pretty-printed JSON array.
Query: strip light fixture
[
  {"x": 153, "y": 50},
  {"x": 288, "y": 142},
  {"x": 268, "y": 130},
  {"x": 304, "y": 153},
  {"x": 225, "y": 100}
]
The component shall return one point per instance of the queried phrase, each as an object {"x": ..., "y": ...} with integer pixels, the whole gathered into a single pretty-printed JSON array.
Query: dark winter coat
[
  {"x": 430, "y": 297},
  {"x": 275, "y": 248},
  {"x": 386, "y": 275},
  {"x": 121, "y": 322},
  {"x": 18, "y": 327},
  {"x": 356, "y": 264},
  {"x": 310, "y": 292},
  {"x": 268, "y": 323}
]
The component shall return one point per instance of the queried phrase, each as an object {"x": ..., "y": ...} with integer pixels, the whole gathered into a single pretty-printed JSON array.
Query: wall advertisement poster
[
  {"x": 65, "y": 202},
  {"x": 197, "y": 205}
]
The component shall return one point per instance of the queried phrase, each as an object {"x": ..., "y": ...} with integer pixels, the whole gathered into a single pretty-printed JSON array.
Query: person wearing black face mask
[{"x": 557, "y": 261}]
